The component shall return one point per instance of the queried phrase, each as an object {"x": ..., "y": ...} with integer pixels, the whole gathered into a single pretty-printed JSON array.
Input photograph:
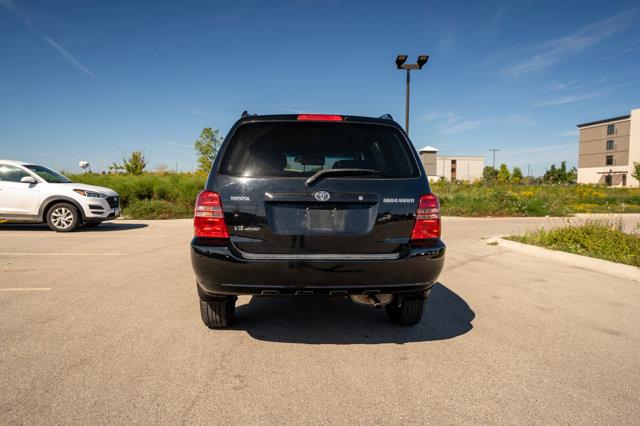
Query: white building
[
  {"x": 609, "y": 150},
  {"x": 451, "y": 167}
]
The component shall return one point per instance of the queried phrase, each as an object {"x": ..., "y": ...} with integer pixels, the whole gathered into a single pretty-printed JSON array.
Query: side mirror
[{"x": 28, "y": 179}]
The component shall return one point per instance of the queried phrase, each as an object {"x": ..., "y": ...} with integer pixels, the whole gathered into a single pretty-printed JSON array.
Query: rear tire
[
  {"x": 218, "y": 313},
  {"x": 63, "y": 217},
  {"x": 409, "y": 311}
]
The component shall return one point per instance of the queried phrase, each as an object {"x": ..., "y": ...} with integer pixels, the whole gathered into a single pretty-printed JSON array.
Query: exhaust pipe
[{"x": 375, "y": 302}]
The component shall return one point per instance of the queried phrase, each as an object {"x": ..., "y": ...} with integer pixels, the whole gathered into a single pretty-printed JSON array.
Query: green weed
[{"x": 599, "y": 239}]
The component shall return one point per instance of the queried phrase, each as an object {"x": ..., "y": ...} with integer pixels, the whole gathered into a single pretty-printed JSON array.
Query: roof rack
[{"x": 386, "y": 117}]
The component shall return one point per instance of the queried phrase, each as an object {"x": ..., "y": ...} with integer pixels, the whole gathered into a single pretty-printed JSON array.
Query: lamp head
[{"x": 400, "y": 60}]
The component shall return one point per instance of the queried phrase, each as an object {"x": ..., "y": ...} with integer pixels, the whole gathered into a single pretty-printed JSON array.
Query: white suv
[{"x": 32, "y": 193}]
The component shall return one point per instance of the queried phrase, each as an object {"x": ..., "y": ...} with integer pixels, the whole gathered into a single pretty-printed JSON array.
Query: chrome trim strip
[{"x": 319, "y": 256}]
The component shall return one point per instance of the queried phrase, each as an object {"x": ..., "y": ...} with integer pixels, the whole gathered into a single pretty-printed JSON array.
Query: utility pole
[
  {"x": 494, "y": 156},
  {"x": 528, "y": 169},
  {"x": 406, "y": 102},
  {"x": 400, "y": 64}
]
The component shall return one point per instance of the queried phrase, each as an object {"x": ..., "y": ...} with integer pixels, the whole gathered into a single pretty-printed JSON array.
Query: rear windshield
[{"x": 295, "y": 149}]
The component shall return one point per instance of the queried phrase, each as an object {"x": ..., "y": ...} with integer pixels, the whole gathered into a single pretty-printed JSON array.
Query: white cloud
[
  {"x": 567, "y": 99},
  {"x": 563, "y": 85},
  {"x": 72, "y": 60},
  {"x": 460, "y": 126},
  {"x": 464, "y": 126},
  {"x": 539, "y": 149},
  {"x": 570, "y": 133},
  {"x": 499, "y": 13},
  {"x": 520, "y": 120},
  {"x": 11, "y": 7},
  {"x": 448, "y": 117},
  {"x": 615, "y": 55},
  {"x": 569, "y": 46}
]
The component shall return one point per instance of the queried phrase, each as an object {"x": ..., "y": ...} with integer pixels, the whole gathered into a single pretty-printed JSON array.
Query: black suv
[{"x": 316, "y": 204}]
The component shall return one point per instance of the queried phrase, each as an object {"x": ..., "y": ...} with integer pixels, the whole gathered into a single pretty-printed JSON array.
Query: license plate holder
[{"x": 325, "y": 220}]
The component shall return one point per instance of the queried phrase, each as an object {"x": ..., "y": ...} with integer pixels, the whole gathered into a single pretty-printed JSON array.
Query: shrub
[{"x": 158, "y": 209}]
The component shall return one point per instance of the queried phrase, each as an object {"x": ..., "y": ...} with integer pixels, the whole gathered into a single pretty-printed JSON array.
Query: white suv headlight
[{"x": 89, "y": 193}]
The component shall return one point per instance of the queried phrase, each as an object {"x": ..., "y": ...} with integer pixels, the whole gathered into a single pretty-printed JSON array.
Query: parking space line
[
  {"x": 7, "y": 235},
  {"x": 64, "y": 254},
  {"x": 26, "y": 289}
]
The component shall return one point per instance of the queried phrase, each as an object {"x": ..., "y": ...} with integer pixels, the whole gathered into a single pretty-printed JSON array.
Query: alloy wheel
[{"x": 62, "y": 218}]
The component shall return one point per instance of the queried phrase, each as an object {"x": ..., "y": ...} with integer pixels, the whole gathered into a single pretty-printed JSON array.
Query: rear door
[
  {"x": 364, "y": 206},
  {"x": 17, "y": 198}
]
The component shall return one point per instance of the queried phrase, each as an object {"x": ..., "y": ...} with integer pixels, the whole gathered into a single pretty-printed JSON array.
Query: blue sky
[{"x": 85, "y": 80}]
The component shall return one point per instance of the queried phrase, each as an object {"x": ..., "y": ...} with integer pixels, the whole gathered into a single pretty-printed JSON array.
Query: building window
[
  {"x": 609, "y": 161},
  {"x": 611, "y": 129},
  {"x": 609, "y": 145}
]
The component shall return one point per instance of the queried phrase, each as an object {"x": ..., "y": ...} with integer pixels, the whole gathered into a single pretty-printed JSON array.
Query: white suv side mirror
[{"x": 28, "y": 179}]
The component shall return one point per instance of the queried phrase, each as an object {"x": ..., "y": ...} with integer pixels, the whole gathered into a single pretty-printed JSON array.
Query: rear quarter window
[{"x": 300, "y": 149}]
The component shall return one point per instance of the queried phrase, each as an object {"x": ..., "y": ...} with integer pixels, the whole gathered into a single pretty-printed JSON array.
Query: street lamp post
[{"x": 401, "y": 65}]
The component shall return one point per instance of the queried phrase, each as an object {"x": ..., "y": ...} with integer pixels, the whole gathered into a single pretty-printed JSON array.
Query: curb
[{"x": 591, "y": 263}]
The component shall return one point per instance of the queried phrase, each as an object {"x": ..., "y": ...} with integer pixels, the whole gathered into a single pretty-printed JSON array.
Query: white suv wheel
[{"x": 63, "y": 217}]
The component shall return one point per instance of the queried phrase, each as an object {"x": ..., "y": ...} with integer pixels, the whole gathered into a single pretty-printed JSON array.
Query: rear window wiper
[{"x": 340, "y": 172}]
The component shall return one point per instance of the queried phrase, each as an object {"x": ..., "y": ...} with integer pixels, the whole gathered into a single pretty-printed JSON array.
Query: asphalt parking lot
[{"x": 103, "y": 326}]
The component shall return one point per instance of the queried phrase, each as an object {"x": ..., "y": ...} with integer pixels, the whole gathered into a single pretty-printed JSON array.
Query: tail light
[
  {"x": 427, "y": 218},
  {"x": 208, "y": 218},
  {"x": 319, "y": 117}
]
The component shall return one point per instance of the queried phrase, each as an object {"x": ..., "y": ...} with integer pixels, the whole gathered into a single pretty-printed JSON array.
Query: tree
[
  {"x": 489, "y": 174},
  {"x": 503, "y": 174},
  {"x": 572, "y": 175},
  {"x": 551, "y": 174},
  {"x": 560, "y": 174},
  {"x": 134, "y": 165},
  {"x": 207, "y": 146},
  {"x": 636, "y": 171},
  {"x": 516, "y": 175}
]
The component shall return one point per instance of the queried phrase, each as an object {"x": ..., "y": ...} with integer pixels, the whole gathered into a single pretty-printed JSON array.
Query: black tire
[
  {"x": 218, "y": 313},
  {"x": 63, "y": 217},
  {"x": 92, "y": 224},
  {"x": 406, "y": 309}
]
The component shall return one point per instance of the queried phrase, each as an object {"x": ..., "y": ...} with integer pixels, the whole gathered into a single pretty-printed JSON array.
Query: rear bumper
[{"x": 220, "y": 269}]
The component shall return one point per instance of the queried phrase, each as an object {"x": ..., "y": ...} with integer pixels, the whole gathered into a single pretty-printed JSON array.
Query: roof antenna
[
  {"x": 386, "y": 117},
  {"x": 244, "y": 114}
]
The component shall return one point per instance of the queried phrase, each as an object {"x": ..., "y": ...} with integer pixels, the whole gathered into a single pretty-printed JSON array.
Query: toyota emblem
[{"x": 322, "y": 195}]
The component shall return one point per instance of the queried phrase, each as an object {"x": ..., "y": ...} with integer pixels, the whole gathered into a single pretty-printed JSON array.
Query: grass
[
  {"x": 172, "y": 195},
  {"x": 599, "y": 239},
  {"x": 477, "y": 199}
]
